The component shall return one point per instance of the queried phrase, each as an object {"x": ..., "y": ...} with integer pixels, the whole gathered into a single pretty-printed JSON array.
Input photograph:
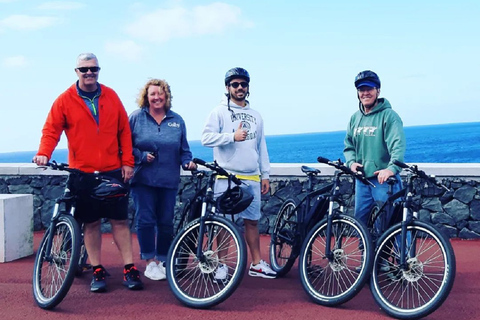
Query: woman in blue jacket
[{"x": 160, "y": 147}]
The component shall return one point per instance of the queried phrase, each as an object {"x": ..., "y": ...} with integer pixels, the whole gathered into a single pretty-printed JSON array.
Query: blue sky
[{"x": 302, "y": 57}]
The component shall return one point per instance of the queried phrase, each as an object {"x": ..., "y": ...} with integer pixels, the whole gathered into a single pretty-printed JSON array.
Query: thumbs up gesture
[{"x": 240, "y": 134}]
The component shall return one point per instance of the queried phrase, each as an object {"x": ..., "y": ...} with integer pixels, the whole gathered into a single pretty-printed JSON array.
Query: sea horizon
[{"x": 436, "y": 143}]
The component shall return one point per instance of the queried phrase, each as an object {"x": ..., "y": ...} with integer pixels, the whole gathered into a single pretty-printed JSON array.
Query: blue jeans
[
  {"x": 154, "y": 209},
  {"x": 365, "y": 196}
]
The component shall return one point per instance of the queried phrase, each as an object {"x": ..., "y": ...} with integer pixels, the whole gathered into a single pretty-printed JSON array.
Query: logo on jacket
[
  {"x": 366, "y": 131},
  {"x": 174, "y": 124}
]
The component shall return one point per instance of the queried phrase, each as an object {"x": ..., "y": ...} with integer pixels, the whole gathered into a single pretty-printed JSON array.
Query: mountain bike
[
  {"x": 414, "y": 263},
  {"x": 192, "y": 208},
  {"x": 61, "y": 254},
  {"x": 333, "y": 247},
  {"x": 203, "y": 246},
  {"x": 58, "y": 256}
]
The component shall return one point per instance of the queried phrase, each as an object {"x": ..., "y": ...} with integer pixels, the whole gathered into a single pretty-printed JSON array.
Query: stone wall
[{"x": 457, "y": 213}]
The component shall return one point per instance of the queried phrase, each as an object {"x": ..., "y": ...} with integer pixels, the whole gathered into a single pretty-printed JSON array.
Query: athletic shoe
[
  {"x": 221, "y": 273},
  {"x": 153, "y": 272},
  {"x": 384, "y": 266},
  {"x": 262, "y": 269},
  {"x": 131, "y": 279},
  {"x": 98, "y": 283}
]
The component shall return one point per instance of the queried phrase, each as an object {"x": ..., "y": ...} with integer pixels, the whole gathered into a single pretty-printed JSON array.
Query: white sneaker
[
  {"x": 153, "y": 272},
  {"x": 262, "y": 269},
  {"x": 163, "y": 270},
  {"x": 384, "y": 266},
  {"x": 221, "y": 273}
]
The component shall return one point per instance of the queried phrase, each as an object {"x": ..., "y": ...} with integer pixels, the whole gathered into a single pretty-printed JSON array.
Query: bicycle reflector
[
  {"x": 109, "y": 189},
  {"x": 234, "y": 200}
]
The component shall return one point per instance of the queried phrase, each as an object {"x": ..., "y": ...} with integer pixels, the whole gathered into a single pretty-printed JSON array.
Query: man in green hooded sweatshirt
[{"x": 374, "y": 139}]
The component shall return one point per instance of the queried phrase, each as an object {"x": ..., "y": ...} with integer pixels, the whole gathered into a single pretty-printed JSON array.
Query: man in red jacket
[{"x": 99, "y": 139}]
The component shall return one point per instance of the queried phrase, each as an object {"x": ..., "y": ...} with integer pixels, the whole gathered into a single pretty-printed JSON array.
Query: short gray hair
[{"x": 86, "y": 57}]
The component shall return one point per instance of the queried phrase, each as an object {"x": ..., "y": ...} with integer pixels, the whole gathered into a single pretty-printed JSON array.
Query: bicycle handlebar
[
  {"x": 414, "y": 169},
  {"x": 359, "y": 175},
  {"x": 215, "y": 167}
]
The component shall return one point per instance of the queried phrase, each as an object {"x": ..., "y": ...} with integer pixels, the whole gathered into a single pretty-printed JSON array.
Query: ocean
[{"x": 445, "y": 143}]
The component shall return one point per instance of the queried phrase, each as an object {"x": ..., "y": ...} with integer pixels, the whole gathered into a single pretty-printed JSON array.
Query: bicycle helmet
[
  {"x": 234, "y": 200},
  {"x": 109, "y": 189},
  {"x": 367, "y": 78},
  {"x": 236, "y": 73}
]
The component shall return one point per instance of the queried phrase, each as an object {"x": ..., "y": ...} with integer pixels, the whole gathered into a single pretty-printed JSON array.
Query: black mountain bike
[
  {"x": 334, "y": 248},
  {"x": 61, "y": 254},
  {"x": 203, "y": 246},
  {"x": 414, "y": 263}
]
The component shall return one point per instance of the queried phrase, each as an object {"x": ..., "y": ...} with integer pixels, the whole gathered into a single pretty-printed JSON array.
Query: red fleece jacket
[{"x": 91, "y": 147}]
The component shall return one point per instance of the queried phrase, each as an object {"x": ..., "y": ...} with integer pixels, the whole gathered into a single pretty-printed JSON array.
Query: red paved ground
[{"x": 256, "y": 298}]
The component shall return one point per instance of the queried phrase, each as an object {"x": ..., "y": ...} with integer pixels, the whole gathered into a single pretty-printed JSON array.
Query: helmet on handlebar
[
  {"x": 236, "y": 73},
  {"x": 234, "y": 200},
  {"x": 367, "y": 78},
  {"x": 109, "y": 189}
]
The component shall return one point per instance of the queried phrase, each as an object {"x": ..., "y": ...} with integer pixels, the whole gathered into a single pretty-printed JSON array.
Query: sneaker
[
  {"x": 221, "y": 273},
  {"x": 262, "y": 269},
  {"x": 154, "y": 272},
  {"x": 98, "y": 283},
  {"x": 131, "y": 279}
]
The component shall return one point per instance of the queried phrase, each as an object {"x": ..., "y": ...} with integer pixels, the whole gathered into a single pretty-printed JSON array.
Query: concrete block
[{"x": 16, "y": 226}]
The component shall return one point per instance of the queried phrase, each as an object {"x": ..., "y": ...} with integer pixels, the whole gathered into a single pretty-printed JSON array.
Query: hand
[
  {"x": 265, "y": 186},
  {"x": 190, "y": 166},
  {"x": 240, "y": 134},
  {"x": 354, "y": 166},
  {"x": 40, "y": 160},
  {"x": 127, "y": 173},
  {"x": 383, "y": 175},
  {"x": 150, "y": 157}
]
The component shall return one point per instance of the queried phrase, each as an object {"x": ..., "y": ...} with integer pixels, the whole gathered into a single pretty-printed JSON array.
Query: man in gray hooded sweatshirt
[{"x": 235, "y": 131}]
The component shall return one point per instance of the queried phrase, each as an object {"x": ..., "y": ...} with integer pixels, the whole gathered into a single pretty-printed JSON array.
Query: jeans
[
  {"x": 366, "y": 195},
  {"x": 154, "y": 209}
]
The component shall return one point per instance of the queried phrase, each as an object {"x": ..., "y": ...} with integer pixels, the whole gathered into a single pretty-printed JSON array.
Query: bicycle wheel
[
  {"x": 285, "y": 240},
  {"x": 420, "y": 288},
  {"x": 54, "y": 271},
  {"x": 335, "y": 280},
  {"x": 191, "y": 279}
]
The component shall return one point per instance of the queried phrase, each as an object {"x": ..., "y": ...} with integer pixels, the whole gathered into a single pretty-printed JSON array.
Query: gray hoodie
[{"x": 249, "y": 157}]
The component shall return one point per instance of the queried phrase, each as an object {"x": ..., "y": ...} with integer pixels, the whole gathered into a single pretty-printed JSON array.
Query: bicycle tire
[
  {"x": 330, "y": 283},
  {"x": 285, "y": 241},
  {"x": 52, "y": 279},
  {"x": 191, "y": 281},
  {"x": 426, "y": 283}
]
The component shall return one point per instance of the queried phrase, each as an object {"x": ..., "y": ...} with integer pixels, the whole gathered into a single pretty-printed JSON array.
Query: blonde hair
[{"x": 142, "y": 99}]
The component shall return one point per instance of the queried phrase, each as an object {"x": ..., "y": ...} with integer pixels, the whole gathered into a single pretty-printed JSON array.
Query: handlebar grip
[
  {"x": 400, "y": 164},
  {"x": 323, "y": 160},
  {"x": 199, "y": 161}
]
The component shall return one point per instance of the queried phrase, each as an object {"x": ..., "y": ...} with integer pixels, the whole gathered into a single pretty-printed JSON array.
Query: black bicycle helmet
[
  {"x": 109, "y": 189},
  {"x": 236, "y": 73},
  {"x": 367, "y": 78},
  {"x": 234, "y": 200}
]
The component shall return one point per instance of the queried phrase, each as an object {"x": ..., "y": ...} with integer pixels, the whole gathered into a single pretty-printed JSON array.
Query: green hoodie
[{"x": 375, "y": 139}]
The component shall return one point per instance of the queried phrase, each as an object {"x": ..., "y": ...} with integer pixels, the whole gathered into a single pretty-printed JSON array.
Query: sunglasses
[
  {"x": 85, "y": 69},
  {"x": 236, "y": 84}
]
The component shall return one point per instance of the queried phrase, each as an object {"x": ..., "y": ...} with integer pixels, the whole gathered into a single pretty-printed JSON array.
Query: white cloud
[
  {"x": 14, "y": 62},
  {"x": 25, "y": 22},
  {"x": 61, "y": 5},
  {"x": 127, "y": 49},
  {"x": 164, "y": 24}
]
